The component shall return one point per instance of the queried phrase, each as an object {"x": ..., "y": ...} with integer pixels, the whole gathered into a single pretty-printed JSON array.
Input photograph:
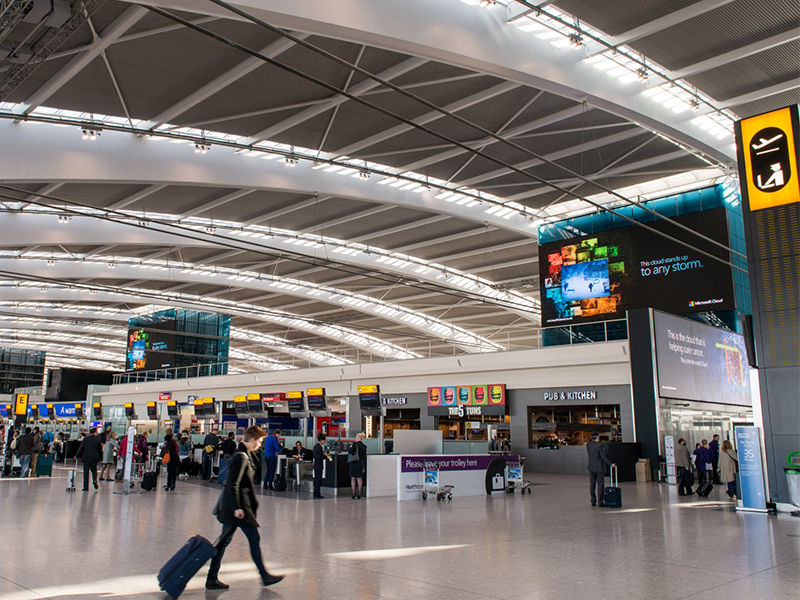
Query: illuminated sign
[
  {"x": 295, "y": 400},
  {"x": 97, "y": 410},
  {"x": 240, "y": 405},
  {"x": 21, "y": 405},
  {"x": 165, "y": 397},
  {"x": 129, "y": 411},
  {"x": 368, "y": 389},
  {"x": 369, "y": 397},
  {"x": 316, "y": 399},
  {"x": 767, "y": 148},
  {"x": 273, "y": 399},
  {"x": 152, "y": 411},
  {"x": 467, "y": 401},
  {"x": 172, "y": 408},
  {"x": 254, "y": 405},
  {"x": 79, "y": 414}
]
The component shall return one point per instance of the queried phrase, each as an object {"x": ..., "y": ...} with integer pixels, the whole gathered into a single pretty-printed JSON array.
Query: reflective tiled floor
[{"x": 547, "y": 545}]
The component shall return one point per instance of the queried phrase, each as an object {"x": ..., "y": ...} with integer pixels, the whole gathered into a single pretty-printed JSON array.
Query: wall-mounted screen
[
  {"x": 599, "y": 277},
  {"x": 240, "y": 405},
  {"x": 151, "y": 347},
  {"x": 152, "y": 411},
  {"x": 369, "y": 397},
  {"x": 97, "y": 410},
  {"x": 209, "y": 407},
  {"x": 172, "y": 409},
  {"x": 34, "y": 411},
  {"x": 254, "y": 404},
  {"x": 295, "y": 402},
  {"x": 700, "y": 362},
  {"x": 130, "y": 412},
  {"x": 79, "y": 412}
]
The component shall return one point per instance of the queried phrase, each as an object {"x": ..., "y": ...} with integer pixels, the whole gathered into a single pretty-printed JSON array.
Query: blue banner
[
  {"x": 63, "y": 411},
  {"x": 751, "y": 472}
]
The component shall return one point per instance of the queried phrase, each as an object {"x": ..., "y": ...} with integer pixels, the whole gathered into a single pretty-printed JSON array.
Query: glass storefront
[
  {"x": 695, "y": 425},
  {"x": 550, "y": 427}
]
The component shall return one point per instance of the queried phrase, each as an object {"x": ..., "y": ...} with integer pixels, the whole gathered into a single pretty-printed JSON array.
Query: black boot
[
  {"x": 216, "y": 584},
  {"x": 271, "y": 579}
]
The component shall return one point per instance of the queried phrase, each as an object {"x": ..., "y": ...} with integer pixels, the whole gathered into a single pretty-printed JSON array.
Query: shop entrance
[{"x": 695, "y": 424}]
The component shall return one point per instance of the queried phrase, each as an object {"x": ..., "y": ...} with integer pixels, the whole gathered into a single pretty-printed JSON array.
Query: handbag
[
  {"x": 165, "y": 460},
  {"x": 352, "y": 457}
]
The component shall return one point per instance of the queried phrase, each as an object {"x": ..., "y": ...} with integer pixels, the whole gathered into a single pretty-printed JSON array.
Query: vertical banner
[
  {"x": 126, "y": 478},
  {"x": 669, "y": 449},
  {"x": 751, "y": 472}
]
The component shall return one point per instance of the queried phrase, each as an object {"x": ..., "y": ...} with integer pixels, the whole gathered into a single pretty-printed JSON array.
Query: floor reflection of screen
[{"x": 585, "y": 280}]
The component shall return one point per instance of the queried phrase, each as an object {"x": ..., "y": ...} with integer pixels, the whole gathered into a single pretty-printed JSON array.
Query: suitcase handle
[{"x": 614, "y": 476}]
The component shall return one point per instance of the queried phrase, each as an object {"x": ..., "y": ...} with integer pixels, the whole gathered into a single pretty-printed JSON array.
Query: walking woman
[
  {"x": 357, "y": 460},
  {"x": 108, "y": 471},
  {"x": 171, "y": 458},
  {"x": 238, "y": 506},
  {"x": 728, "y": 463}
]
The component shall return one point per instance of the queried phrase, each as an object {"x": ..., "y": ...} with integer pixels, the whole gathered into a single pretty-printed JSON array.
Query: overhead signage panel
[{"x": 467, "y": 401}]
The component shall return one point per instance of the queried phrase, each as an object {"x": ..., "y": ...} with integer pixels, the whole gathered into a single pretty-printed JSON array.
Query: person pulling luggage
[
  {"x": 91, "y": 451},
  {"x": 237, "y": 508},
  {"x": 597, "y": 469}
]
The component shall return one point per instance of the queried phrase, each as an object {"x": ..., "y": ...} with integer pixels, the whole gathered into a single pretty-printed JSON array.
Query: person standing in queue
[
  {"x": 357, "y": 460},
  {"x": 713, "y": 446},
  {"x": 597, "y": 469},
  {"x": 228, "y": 445},
  {"x": 210, "y": 446},
  {"x": 237, "y": 509},
  {"x": 683, "y": 462},
  {"x": 319, "y": 458},
  {"x": 272, "y": 448},
  {"x": 173, "y": 462},
  {"x": 91, "y": 451},
  {"x": 107, "y": 471}
]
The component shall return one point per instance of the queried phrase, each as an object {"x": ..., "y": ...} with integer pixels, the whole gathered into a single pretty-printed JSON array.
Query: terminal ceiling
[{"x": 153, "y": 74}]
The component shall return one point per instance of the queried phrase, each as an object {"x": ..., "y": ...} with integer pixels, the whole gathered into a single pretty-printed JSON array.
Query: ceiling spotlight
[
  {"x": 64, "y": 218},
  {"x": 210, "y": 230},
  {"x": 291, "y": 160},
  {"x": 92, "y": 292},
  {"x": 642, "y": 74},
  {"x": 38, "y": 309},
  {"x": 694, "y": 104},
  {"x": 142, "y": 223},
  {"x": 51, "y": 261},
  {"x": 111, "y": 265},
  {"x": 363, "y": 174},
  {"x": 90, "y": 133},
  {"x": 43, "y": 289},
  {"x": 488, "y": 3},
  {"x": 576, "y": 40},
  {"x": 202, "y": 148}
]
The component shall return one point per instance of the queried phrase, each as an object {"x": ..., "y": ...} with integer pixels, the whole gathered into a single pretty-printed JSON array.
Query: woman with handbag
[
  {"x": 357, "y": 461},
  {"x": 171, "y": 459},
  {"x": 728, "y": 466}
]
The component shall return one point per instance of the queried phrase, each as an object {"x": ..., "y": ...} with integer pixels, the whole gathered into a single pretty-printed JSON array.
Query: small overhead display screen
[
  {"x": 369, "y": 397},
  {"x": 295, "y": 401}
]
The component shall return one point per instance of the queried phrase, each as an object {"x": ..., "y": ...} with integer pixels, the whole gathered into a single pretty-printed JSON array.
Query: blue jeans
[
  {"x": 272, "y": 466},
  {"x": 25, "y": 462},
  {"x": 208, "y": 463}
]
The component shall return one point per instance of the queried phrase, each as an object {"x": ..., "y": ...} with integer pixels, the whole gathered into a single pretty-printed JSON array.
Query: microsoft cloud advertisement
[
  {"x": 700, "y": 362},
  {"x": 600, "y": 277}
]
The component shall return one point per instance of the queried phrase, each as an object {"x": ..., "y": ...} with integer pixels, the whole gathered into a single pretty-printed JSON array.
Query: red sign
[
  {"x": 165, "y": 397},
  {"x": 272, "y": 399}
]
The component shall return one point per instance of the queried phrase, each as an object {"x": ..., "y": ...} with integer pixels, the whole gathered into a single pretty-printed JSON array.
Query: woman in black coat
[
  {"x": 357, "y": 461},
  {"x": 171, "y": 449},
  {"x": 238, "y": 507}
]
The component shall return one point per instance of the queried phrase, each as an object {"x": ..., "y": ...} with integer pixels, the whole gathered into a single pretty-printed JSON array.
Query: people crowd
[{"x": 713, "y": 464}]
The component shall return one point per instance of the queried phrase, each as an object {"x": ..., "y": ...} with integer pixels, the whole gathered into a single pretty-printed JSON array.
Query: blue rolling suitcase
[
  {"x": 223, "y": 470},
  {"x": 612, "y": 495},
  {"x": 173, "y": 576}
]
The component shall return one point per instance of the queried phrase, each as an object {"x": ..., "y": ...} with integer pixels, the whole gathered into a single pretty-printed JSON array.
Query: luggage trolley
[
  {"x": 514, "y": 480},
  {"x": 431, "y": 484}
]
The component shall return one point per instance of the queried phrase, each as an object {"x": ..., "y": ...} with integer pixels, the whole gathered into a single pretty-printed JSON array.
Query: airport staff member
[
  {"x": 91, "y": 451},
  {"x": 210, "y": 445},
  {"x": 319, "y": 457},
  {"x": 272, "y": 449}
]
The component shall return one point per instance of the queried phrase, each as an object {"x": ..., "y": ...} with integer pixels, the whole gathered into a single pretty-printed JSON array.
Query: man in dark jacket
[
  {"x": 597, "y": 469},
  {"x": 319, "y": 458},
  {"x": 91, "y": 451},
  {"x": 713, "y": 445},
  {"x": 25, "y": 451},
  {"x": 210, "y": 446},
  {"x": 228, "y": 445},
  {"x": 237, "y": 508}
]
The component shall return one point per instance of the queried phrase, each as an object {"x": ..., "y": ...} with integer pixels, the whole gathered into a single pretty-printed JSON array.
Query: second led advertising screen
[{"x": 599, "y": 277}]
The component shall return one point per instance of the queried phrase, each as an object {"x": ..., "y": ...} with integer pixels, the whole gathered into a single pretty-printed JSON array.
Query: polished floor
[{"x": 550, "y": 544}]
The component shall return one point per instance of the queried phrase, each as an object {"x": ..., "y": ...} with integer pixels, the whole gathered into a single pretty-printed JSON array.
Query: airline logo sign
[
  {"x": 768, "y": 158},
  {"x": 467, "y": 400},
  {"x": 367, "y": 389},
  {"x": 165, "y": 397}
]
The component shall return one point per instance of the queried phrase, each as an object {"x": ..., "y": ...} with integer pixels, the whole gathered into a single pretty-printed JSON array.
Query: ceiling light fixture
[
  {"x": 90, "y": 133},
  {"x": 488, "y": 3},
  {"x": 202, "y": 148},
  {"x": 364, "y": 173},
  {"x": 51, "y": 261},
  {"x": 576, "y": 40},
  {"x": 290, "y": 160},
  {"x": 642, "y": 73},
  {"x": 64, "y": 218}
]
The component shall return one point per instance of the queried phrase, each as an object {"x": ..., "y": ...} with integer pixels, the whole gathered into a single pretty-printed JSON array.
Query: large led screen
[
  {"x": 700, "y": 362},
  {"x": 151, "y": 347},
  {"x": 599, "y": 277}
]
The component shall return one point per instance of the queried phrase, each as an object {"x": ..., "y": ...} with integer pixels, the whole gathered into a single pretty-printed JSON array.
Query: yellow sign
[
  {"x": 769, "y": 156},
  {"x": 198, "y": 402},
  {"x": 315, "y": 391},
  {"x": 96, "y": 405},
  {"x": 368, "y": 389},
  {"x": 294, "y": 395},
  {"x": 254, "y": 396},
  {"x": 239, "y": 399},
  {"x": 149, "y": 404},
  {"x": 21, "y": 405},
  {"x": 208, "y": 401},
  {"x": 127, "y": 405}
]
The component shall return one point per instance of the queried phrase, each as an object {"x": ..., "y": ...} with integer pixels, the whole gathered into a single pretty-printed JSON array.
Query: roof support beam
[
  {"x": 665, "y": 22},
  {"x": 219, "y": 83},
  {"x": 734, "y": 55},
  {"x": 763, "y": 93},
  {"x": 285, "y": 211},
  {"x": 358, "y": 89},
  {"x": 46, "y": 190},
  {"x": 428, "y": 117},
  {"x": 216, "y": 203},
  {"x": 509, "y": 134},
  {"x": 141, "y": 194},
  {"x": 129, "y": 17}
]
